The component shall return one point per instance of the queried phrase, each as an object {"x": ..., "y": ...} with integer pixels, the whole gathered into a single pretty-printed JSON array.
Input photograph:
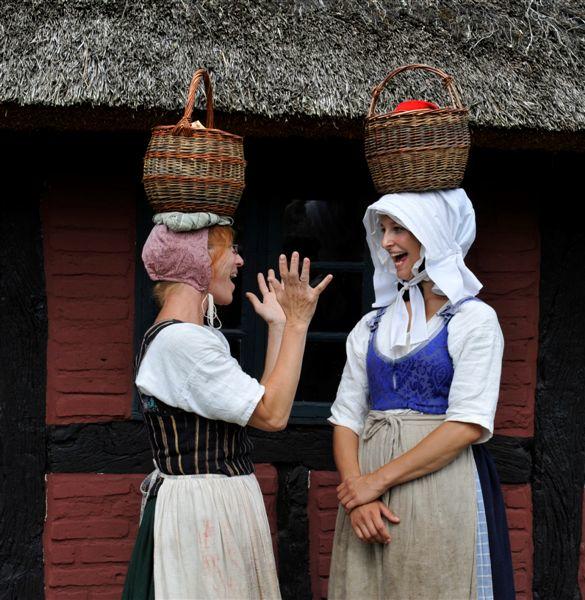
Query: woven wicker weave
[
  {"x": 194, "y": 170},
  {"x": 417, "y": 150}
]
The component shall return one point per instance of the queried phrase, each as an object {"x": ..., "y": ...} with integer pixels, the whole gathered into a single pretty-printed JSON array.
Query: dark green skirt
[{"x": 140, "y": 578}]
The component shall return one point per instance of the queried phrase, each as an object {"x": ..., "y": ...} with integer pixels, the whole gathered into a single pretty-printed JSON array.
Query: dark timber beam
[
  {"x": 513, "y": 458},
  {"x": 293, "y": 532},
  {"x": 105, "y": 119},
  {"x": 23, "y": 341},
  {"x": 122, "y": 447},
  {"x": 559, "y": 441}
]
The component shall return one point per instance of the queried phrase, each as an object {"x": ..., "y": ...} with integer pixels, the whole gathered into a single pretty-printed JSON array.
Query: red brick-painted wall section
[
  {"x": 506, "y": 259},
  {"x": 91, "y": 524},
  {"x": 518, "y": 499},
  {"x": 322, "y": 511},
  {"x": 89, "y": 237},
  {"x": 267, "y": 477},
  {"x": 92, "y": 521}
]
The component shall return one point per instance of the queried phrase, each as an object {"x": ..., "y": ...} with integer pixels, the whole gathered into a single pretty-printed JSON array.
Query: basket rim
[
  {"x": 420, "y": 112},
  {"x": 157, "y": 129}
]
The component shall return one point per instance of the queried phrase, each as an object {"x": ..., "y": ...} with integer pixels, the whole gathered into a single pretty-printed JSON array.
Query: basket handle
[
  {"x": 447, "y": 82},
  {"x": 185, "y": 122}
]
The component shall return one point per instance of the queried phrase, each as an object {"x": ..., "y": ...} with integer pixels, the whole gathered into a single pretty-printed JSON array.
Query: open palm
[{"x": 268, "y": 308}]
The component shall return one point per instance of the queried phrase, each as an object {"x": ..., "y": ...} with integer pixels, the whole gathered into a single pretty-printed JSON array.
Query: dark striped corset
[{"x": 185, "y": 443}]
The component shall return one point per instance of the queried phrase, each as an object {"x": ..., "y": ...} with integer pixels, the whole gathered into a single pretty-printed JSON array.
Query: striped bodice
[{"x": 185, "y": 443}]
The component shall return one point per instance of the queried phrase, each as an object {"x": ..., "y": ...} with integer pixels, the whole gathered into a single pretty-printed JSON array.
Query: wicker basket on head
[
  {"x": 417, "y": 150},
  {"x": 191, "y": 169}
]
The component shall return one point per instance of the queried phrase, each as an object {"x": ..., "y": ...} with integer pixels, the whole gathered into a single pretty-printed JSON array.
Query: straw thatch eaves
[{"x": 518, "y": 64}]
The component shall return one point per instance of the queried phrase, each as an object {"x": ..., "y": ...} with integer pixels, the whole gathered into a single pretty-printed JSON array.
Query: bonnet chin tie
[
  {"x": 406, "y": 293},
  {"x": 418, "y": 328}
]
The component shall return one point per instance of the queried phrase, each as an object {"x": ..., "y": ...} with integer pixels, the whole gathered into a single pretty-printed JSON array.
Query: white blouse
[
  {"x": 476, "y": 346},
  {"x": 190, "y": 367}
]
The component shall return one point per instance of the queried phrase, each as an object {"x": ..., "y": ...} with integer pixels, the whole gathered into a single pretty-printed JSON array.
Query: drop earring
[{"x": 211, "y": 313}]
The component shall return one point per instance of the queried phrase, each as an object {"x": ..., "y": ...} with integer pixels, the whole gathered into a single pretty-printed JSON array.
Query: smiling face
[
  {"x": 402, "y": 246},
  {"x": 226, "y": 262}
]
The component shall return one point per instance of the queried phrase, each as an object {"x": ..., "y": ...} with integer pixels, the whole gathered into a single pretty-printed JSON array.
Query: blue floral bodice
[{"x": 420, "y": 380}]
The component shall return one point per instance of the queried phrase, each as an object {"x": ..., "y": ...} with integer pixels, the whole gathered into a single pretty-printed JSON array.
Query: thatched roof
[{"x": 517, "y": 63}]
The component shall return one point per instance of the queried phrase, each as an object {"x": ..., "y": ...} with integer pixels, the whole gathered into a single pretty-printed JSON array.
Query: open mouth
[{"x": 399, "y": 259}]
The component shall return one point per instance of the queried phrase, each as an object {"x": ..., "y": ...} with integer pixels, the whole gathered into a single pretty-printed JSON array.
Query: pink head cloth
[{"x": 182, "y": 257}]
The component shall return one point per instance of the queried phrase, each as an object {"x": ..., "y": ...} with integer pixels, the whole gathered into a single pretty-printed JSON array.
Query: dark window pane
[
  {"x": 324, "y": 229},
  {"x": 235, "y": 348},
  {"x": 322, "y": 368},
  {"x": 340, "y": 305},
  {"x": 231, "y": 316}
]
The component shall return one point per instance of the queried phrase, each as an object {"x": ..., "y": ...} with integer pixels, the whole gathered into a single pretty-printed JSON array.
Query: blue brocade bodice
[{"x": 420, "y": 380}]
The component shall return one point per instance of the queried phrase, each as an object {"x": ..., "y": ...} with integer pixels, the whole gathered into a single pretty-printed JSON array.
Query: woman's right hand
[
  {"x": 294, "y": 294},
  {"x": 368, "y": 523}
]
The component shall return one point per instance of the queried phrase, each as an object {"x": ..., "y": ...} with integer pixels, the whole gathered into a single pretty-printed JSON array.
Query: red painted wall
[
  {"x": 518, "y": 499},
  {"x": 92, "y": 521},
  {"x": 322, "y": 513},
  {"x": 267, "y": 477},
  {"x": 506, "y": 259},
  {"x": 89, "y": 237}
]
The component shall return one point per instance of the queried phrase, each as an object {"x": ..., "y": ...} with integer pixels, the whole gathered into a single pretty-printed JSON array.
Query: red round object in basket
[{"x": 408, "y": 105}]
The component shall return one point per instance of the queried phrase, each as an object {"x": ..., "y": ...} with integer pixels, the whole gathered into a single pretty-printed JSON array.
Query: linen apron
[
  {"x": 432, "y": 552},
  {"x": 212, "y": 539}
]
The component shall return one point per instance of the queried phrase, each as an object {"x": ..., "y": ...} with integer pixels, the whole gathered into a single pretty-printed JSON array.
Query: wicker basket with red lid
[{"x": 421, "y": 149}]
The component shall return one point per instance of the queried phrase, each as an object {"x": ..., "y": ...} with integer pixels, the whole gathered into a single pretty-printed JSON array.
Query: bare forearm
[
  {"x": 345, "y": 452},
  {"x": 432, "y": 453},
  {"x": 275, "y": 333},
  {"x": 274, "y": 408},
  {"x": 298, "y": 301}
]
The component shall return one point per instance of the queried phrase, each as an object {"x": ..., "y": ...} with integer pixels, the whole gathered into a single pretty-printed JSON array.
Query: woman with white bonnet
[
  {"x": 421, "y": 512},
  {"x": 204, "y": 531}
]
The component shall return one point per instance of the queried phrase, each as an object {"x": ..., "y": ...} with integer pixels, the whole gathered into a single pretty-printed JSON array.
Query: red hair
[{"x": 220, "y": 238}]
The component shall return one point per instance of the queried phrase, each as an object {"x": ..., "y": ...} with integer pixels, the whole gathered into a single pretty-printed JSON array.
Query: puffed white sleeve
[
  {"x": 476, "y": 345},
  {"x": 350, "y": 408},
  {"x": 190, "y": 368}
]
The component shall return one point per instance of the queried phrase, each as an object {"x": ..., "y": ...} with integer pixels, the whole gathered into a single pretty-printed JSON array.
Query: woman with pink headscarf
[{"x": 204, "y": 531}]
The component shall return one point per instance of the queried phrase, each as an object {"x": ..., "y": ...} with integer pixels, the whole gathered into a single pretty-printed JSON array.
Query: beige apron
[
  {"x": 432, "y": 552},
  {"x": 212, "y": 540}
]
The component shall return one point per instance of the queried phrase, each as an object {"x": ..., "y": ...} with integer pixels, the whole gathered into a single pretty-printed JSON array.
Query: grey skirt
[{"x": 432, "y": 552}]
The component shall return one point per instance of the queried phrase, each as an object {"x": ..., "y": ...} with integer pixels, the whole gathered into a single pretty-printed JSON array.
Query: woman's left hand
[
  {"x": 269, "y": 308},
  {"x": 355, "y": 491}
]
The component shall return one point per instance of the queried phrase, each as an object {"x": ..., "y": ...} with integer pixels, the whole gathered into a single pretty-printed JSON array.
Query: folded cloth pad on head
[{"x": 177, "y": 221}]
